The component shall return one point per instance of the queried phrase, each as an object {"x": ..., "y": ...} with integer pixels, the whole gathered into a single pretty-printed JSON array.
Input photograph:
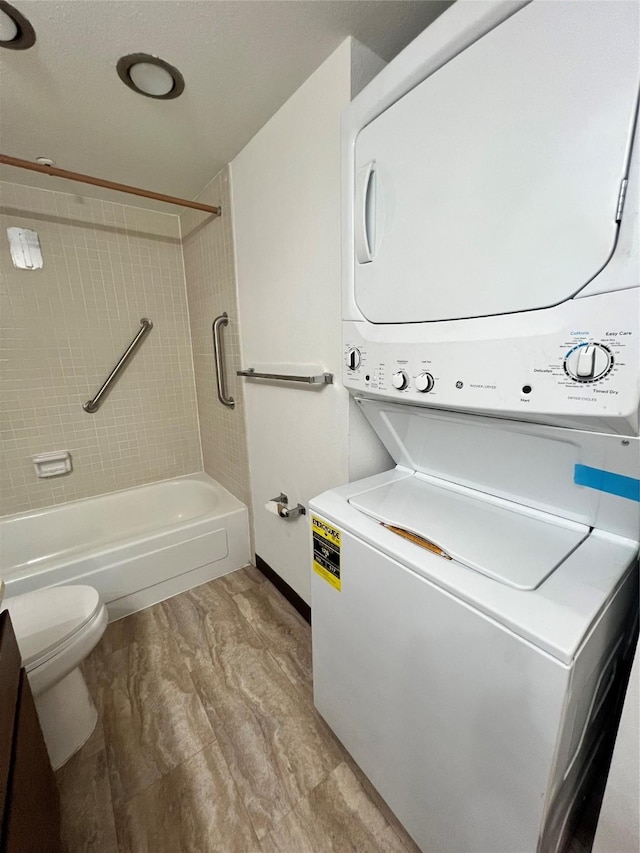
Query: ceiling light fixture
[
  {"x": 16, "y": 32},
  {"x": 149, "y": 75}
]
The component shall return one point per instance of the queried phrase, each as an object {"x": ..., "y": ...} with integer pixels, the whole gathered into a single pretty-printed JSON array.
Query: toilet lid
[{"x": 46, "y": 618}]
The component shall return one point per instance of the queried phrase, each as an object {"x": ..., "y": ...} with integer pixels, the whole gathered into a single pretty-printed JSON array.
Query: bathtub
[{"x": 136, "y": 547}]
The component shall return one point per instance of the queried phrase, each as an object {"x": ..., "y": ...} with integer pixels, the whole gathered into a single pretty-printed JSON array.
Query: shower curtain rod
[{"x": 110, "y": 185}]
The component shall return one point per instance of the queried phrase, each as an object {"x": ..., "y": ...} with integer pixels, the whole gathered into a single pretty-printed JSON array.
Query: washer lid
[
  {"x": 45, "y": 619},
  {"x": 508, "y": 542}
]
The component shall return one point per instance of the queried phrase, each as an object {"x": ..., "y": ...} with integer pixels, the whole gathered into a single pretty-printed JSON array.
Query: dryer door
[{"x": 492, "y": 187}]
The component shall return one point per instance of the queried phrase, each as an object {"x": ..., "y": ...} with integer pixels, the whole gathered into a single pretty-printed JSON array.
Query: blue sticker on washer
[{"x": 607, "y": 481}]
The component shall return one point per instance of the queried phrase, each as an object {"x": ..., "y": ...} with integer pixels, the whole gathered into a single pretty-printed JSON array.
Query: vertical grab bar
[{"x": 218, "y": 323}]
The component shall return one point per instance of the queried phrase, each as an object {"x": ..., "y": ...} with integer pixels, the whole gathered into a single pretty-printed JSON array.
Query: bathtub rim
[{"x": 198, "y": 476}]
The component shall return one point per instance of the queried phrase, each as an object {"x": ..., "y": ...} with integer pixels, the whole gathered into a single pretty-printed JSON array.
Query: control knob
[
  {"x": 588, "y": 363},
  {"x": 400, "y": 380},
  {"x": 424, "y": 382},
  {"x": 354, "y": 358}
]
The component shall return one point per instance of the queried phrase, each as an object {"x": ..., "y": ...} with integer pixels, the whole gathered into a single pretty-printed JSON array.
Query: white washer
[
  {"x": 470, "y": 690},
  {"x": 472, "y": 607}
]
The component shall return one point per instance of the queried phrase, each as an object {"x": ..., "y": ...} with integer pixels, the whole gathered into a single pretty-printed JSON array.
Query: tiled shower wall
[
  {"x": 106, "y": 265},
  {"x": 209, "y": 261}
]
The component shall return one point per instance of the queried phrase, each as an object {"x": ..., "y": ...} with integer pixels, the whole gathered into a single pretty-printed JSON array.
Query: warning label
[{"x": 326, "y": 551}]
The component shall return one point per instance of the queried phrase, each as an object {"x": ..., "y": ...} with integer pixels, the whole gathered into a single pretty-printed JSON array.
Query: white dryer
[{"x": 472, "y": 607}]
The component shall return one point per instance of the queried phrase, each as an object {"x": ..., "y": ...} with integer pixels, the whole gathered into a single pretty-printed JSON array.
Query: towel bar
[{"x": 320, "y": 379}]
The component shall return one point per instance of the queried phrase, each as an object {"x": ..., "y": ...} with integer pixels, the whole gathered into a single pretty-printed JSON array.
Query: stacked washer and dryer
[{"x": 474, "y": 606}]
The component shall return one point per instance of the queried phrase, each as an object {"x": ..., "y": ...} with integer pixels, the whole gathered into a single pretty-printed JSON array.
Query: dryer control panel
[{"x": 573, "y": 365}]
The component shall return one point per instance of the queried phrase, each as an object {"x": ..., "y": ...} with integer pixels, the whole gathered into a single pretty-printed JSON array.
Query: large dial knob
[
  {"x": 354, "y": 358},
  {"x": 400, "y": 380},
  {"x": 588, "y": 362},
  {"x": 424, "y": 382}
]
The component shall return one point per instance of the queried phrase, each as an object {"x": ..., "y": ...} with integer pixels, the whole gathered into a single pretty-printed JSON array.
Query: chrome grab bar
[
  {"x": 218, "y": 323},
  {"x": 320, "y": 379},
  {"x": 93, "y": 405}
]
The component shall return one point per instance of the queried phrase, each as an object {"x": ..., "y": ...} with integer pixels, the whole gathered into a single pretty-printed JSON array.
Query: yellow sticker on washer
[{"x": 326, "y": 551}]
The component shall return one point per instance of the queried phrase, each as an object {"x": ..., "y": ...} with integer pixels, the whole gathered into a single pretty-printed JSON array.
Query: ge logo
[{"x": 459, "y": 384}]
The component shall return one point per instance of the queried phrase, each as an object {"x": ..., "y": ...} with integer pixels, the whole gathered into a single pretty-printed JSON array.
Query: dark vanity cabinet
[{"x": 29, "y": 808}]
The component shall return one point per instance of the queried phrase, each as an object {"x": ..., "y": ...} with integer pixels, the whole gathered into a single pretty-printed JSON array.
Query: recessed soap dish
[{"x": 52, "y": 464}]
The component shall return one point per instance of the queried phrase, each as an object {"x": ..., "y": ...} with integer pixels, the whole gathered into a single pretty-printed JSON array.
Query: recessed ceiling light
[
  {"x": 16, "y": 32},
  {"x": 151, "y": 76}
]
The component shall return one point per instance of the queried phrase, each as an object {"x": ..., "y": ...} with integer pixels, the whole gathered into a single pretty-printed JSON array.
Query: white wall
[
  {"x": 286, "y": 200},
  {"x": 619, "y": 824}
]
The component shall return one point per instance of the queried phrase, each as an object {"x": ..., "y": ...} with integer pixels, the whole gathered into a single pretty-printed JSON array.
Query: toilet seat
[{"x": 56, "y": 629}]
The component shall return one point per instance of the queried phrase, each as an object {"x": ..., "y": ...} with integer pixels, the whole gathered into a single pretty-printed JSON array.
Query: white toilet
[{"x": 56, "y": 629}]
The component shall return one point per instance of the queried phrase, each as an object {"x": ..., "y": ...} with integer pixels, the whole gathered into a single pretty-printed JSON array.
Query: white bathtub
[{"x": 136, "y": 547}]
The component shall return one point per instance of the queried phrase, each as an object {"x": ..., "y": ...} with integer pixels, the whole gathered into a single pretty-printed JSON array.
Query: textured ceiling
[{"x": 241, "y": 61}]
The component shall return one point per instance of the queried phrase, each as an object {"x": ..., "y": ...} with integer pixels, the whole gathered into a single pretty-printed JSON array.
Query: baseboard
[{"x": 282, "y": 586}]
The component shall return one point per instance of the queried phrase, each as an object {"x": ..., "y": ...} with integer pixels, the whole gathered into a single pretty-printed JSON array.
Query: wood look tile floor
[{"x": 207, "y": 739}]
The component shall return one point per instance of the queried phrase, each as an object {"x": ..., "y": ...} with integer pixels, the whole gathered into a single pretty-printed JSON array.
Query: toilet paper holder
[{"x": 285, "y": 511}]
